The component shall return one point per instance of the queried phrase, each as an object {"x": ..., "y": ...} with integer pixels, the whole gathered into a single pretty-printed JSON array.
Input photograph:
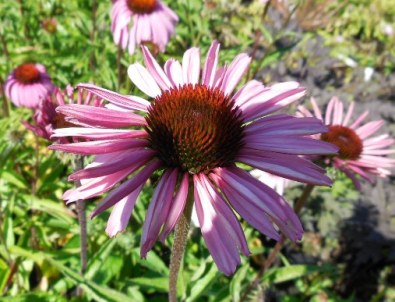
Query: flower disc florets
[
  {"x": 195, "y": 128},
  {"x": 349, "y": 143},
  {"x": 27, "y": 74},
  {"x": 141, "y": 6}
]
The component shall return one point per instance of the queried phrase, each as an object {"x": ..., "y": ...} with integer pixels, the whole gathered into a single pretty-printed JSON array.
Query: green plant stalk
[
  {"x": 179, "y": 244},
  {"x": 79, "y": 165}
]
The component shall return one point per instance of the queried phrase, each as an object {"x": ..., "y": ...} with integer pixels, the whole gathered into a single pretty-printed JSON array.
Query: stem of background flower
[
  {"x": 92, "y": 60},
  {"x": 177, "y": 251},
  {"x": 258, "y": 35},
  {"x": 119, "y": 66},
  {"x": 279, "y": 245},
  {"x": 79, "y": 165},
  {"x": 6, "y": 111},
  {"x": 25, "y": 27}
]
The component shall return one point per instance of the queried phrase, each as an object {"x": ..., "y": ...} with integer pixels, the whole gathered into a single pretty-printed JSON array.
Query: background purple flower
[
  {"x": 135, "y": 22},
  {"x": 27, "y": 85}
]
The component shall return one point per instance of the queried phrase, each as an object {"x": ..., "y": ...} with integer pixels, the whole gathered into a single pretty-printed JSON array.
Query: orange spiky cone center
[
  {"x": 349, "y": 143},
  {"x": 195, "y": 128},
  {"x": 141, "y": 6},
  {"x": 27, "y": 73}
]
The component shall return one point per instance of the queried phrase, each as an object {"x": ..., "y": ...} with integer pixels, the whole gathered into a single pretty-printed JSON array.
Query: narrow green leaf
[{"x": 201, "y": 285}]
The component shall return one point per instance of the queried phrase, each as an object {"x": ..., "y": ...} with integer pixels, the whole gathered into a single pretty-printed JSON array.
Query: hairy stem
[
  {"x": 78, "y": 165},
  {"x": 177, "y": 252},
  {"x": 119, "y": 65}
]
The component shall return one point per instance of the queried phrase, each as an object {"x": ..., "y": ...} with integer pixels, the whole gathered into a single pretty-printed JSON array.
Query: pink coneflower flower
[
  {"x": 46, "y": 119},
  {"x": 194, "y": 132},
  {"x": 359, "y": 153},
  {"x": 27, "y": 85},
  {"x": 153, "y": 23}
]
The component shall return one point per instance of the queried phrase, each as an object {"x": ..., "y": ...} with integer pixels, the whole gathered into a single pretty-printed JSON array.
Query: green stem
[
  {"x": 78, "y": 165},
  {"x": 180, "y": 239}
]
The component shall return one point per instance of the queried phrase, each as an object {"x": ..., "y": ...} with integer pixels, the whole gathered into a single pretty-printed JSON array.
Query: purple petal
[
  {"x": 126, "y": 188},
  {"x": 100, "y": 117},
  {"x": 100, "y": 147},
  {"x": 176, "y": 209},
  {"x": 120, "y": 214},
  {"x": 116, "y": 98},
  {"x": 158, "y": 210},
  {"x": 285, "y": 165},
  {"x": 220, "y": 228}
]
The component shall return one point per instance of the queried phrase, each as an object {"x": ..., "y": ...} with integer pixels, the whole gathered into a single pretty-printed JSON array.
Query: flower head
[
  {"x": 153, "y": 23},
  {"x": 359, "y": 152},
  {"x": 27, "y": 85},
  {"x": 46, "y": 119},
  {"x": 194, "y": 131}
]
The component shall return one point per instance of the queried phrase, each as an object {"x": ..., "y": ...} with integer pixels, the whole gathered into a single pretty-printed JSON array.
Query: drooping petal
[
  {"x": 176, "y": 209},
  {"x": 256, "y": 202},
  {"x": 100, "y": 117},
  {"x": 100, "y": 147},
  {"x": 126, "y": 188},
  {"x": 220, "y": 228},
  {"x": 133, "y": 160},
  {"x": 98, "y": 133},
  {"x": 285, "y": 125},
  {"x": 271, "y": 101},
  {"x": 289, "y": 144},
  {"x": 121, "y": 213},
  {"x": 158, "y": 210},
  {"x": 131, "y": 102},
  {"x": 285, "y": 165}
]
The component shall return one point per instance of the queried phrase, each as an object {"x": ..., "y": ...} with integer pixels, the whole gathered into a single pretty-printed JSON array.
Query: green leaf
[
  {"x": 15, "y": 179},
  {"x": 288, "y": 273},
  {"x": 203, "y": 284},
  {"x": 236, "y": 283},
  {"x": 159, "y": 284},
  {"x": 153, "y": 262},
  {"x": 97, "y": 292},
  {"x": 4, "y": 273}
]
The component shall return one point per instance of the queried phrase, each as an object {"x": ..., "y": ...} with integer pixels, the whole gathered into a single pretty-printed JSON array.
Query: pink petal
[
  {"x": 158, "y": 210},
  {"x": 173, "y": 71},
  {"x": 220, "y": 228},
  {"x": 100, "y": 117},
  {"x": 100, "y": 147},
  {"x": 369, "y": 128},
  {"x": 284, "y": 165},
  {"x": 133, "y": 159},
  {"x": 235, "y": 72},
  {"x": 126, "y": 188},
  {"x": 120, "y": 214},
  {"x": 210, "y": 66},
  {"x": 176, "y": 209},
  {"x": 98, "y": 133},
  {"x": 191, "y": 66},
  {"x": 155, "y": 70},
  {"x": 116, "y": 98},
  {"x": 285, "y": 125},
  {"x": 143, "y": 80},
  {"x": 289, "y": 144},
  {"x": 252, "y": 195}
]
